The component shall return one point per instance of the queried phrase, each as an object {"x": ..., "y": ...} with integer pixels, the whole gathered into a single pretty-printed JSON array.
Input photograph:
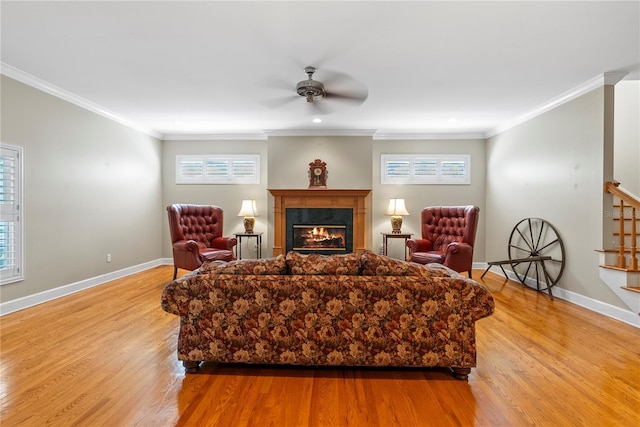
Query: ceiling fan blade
[
  {"x": 354, "y": 96},
  {"x": 330, "y": 77},
  {"x": 342, "y": 87},
  {"x": 279, "y": 102},
  {"x": 276, "y": 83}
]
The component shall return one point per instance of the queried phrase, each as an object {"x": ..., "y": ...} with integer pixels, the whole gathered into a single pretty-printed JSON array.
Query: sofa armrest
[
  {"x": 458, "y": 256},
  {"x": 419, "y": 245},
  {"x": 477, "y": 299},
  {"x": 176, "y": 295},
  {"x": 459, "y": 248},
  {"x": 224, "y": 243},
  {"x": 187, "y": 246}
]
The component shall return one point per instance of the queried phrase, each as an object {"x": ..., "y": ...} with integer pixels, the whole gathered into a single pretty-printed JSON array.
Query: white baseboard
[
  {"x": 621, "y": 314},
  {"x": 61, "y": 291},
  {"x": 625, "y": 316}
]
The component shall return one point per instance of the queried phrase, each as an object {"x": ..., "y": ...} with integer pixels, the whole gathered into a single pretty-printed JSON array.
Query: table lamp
[
  {"x": 396, "y": 209},
  {"x": 249, "y": 212}
]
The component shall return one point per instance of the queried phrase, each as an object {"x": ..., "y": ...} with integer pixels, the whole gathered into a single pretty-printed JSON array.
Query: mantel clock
[{"x": 317, "y": 174}]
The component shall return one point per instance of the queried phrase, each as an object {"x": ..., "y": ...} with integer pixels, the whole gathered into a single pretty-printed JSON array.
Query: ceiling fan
[{"x": 336, "y": 87}]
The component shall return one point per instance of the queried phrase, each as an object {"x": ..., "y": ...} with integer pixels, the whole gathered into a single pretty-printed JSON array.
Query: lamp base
[
  {"x": 249, "y": 222},
  {"x": 396, "y": 224}
]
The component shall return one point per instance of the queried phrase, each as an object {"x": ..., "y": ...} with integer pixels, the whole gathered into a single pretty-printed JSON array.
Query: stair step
[
  {"x": 614, "y": 267},
  {"x": 632, "y": 288},
  {"x": 613, "y": 251}
]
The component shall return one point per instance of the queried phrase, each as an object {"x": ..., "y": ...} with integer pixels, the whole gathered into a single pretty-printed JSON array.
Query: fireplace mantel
[{"x": 318, "y": 198}]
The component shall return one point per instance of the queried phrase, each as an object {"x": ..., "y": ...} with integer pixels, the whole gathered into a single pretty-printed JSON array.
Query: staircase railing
[{"x": 627, "y": 201}]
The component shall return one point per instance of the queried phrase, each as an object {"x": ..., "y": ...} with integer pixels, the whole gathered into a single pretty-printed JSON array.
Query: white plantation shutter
[
  {"x": 190, "y": 168},
  {"x": 243, "y": 168},
  {"x": 453, "y": 169},
  {"x": 218, "y": 169},
  {"x": 11, "y": 230},
  {"x": 399, "y": 168},
  {"x": 425, "y": 169}
]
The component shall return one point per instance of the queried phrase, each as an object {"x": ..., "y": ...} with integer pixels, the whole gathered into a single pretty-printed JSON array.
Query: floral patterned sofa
[{"x": 340, "y": 310}]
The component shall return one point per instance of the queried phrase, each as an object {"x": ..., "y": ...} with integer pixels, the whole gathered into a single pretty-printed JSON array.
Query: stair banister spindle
[
  {"x": 633, "y": 260},
  {"x": 622, "y": 262}
]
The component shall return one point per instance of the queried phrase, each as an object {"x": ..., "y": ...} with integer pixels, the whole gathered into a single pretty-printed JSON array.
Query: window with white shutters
[
  {"x": 218, "y": 169},
  {"x": 11, "y": 229},
  {"x": 425, "y": 169}
]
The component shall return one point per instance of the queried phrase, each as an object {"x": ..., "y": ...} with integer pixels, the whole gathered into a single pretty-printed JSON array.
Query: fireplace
[
  {"x": 352, "y": 203},
  {"x": 319, "y": 230}
]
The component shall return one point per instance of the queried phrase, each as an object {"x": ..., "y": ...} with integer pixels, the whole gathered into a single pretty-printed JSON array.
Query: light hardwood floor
[{"x": 106, "y": 357}]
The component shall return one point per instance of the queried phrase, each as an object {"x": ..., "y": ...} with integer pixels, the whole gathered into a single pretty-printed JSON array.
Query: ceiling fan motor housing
[{"x": 310, "y": 88}]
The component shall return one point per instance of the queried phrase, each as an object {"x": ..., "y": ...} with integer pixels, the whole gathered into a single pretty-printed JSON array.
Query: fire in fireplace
[{"x": 325, "y": 237}]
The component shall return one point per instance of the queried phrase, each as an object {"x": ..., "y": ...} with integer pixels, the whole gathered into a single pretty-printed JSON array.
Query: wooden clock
[{"x": 317, "y": 174}]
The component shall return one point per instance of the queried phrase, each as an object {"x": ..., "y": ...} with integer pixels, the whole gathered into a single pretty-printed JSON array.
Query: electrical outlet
[{"x": 108, "y": 257}]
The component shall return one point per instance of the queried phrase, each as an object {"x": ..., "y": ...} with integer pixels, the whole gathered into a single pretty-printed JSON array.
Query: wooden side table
[
  {"x": 257, "y": 236},
  {"x": 386, "y": 236}
]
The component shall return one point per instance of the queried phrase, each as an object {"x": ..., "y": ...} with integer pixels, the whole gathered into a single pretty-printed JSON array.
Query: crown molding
[
  {"x": 376, "y": 135},
  {"x": 215, "y": 137},
  {"x": 603, "y": 79},
  {"x": 427, "y": 136},
  {"x": 320, "y": 132},
  {"x": 47, "y": 87}
]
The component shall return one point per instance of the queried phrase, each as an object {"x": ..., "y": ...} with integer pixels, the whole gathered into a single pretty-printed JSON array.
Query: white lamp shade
[
  {"x": 396, "y": 208},
  {"x": 248, "y": 208}
]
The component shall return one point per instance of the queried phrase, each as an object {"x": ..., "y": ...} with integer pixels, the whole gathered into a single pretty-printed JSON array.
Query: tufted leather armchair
[
  {"x": 448, "y": 236},
  {"x": 196, "y": 236}
]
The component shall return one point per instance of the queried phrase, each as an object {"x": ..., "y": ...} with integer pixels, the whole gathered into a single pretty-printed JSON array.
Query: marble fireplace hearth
[{"x": 313, "y": 199}]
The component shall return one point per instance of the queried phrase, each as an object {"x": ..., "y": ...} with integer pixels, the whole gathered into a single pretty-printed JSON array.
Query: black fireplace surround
[{"x": 337, "y": 224}]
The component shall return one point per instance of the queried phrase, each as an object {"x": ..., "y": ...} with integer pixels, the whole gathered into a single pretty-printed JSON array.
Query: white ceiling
[{"x": 209, "y": 67}]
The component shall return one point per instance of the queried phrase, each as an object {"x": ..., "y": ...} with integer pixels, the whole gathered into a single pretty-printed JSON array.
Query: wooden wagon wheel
[{"x": 536, "y": 253}]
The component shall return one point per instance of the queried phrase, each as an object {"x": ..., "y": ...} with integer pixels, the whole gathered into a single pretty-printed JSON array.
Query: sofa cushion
[
  {"x": 428, "y": 257},
  {"x": 211, "y": 254},
  {"x": 261, "y": 266},
  {"x": 317, "y": 264},
  {"x": 373, "y": 264}
]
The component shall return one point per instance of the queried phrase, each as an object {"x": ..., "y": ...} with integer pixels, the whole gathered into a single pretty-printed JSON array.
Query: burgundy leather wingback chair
[
  {"x": 196, "y": 236},
  {"x": 448, "y": 236}
]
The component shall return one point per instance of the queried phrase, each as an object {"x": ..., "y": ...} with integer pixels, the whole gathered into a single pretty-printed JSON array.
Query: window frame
[
  {"x": 13, "y": 213},
  {"x": 409, "y": 173},
  {"x": 232, "y": 163}
]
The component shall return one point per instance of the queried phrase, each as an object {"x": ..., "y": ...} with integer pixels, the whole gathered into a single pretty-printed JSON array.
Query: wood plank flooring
[{"x": 107, "y": 357}]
